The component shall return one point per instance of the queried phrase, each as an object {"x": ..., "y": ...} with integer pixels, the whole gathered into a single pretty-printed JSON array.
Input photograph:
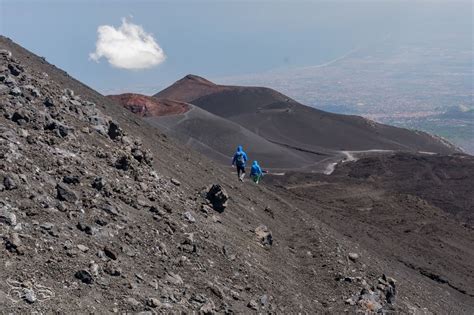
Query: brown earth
[
  {"x": 101, "y": 212},
  {"x": 147, "y": 106}
]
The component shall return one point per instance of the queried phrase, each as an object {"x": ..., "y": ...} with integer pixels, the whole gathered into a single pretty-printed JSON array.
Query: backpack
[{"x": 240, "y": 159}]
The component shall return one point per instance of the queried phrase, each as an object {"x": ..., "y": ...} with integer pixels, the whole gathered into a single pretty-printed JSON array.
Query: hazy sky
[{"x": 160, "y": 41}]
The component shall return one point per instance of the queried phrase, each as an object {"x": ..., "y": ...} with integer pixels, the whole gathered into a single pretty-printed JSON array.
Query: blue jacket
[
  {"x": 239, "y": 152},
  {"x": 256, "y": 170}
]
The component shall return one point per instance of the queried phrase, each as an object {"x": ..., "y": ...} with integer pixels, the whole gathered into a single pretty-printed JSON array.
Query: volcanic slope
[
  {"x": 209, "y": 134},
  {"x": 416, "y": 208},
  {"x": 281, "y": 120},
  {"x": 100, "y": 212}
]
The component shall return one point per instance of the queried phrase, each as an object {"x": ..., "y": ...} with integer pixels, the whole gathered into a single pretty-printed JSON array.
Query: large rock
[
  {"x": 218, "y": 197},
  {"x": 114, "y": 130}
]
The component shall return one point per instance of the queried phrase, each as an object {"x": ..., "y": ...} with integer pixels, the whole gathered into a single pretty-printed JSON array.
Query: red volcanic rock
[
  {"x": 147, "y": 106},
  {"x": 189, "y": 88}
]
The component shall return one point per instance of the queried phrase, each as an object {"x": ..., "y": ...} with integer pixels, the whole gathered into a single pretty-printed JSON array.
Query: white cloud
[{"x": 127, "y": 47}]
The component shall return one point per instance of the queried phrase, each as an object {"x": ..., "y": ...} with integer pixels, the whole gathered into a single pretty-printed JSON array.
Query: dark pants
[{"x": 240, "y": 170}]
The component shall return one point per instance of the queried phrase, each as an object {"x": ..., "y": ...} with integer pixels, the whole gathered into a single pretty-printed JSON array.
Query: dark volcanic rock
[
  {"x": 98, "y": 183},
  {"x": 84, "y": 276},
  {"x": 71, "y": 179},
  {"x": 123, "y": 163},
  {"x": 16, "y": 70},
  {"x": 218, "y": 197},
  {"x": 65, "y": 193},
  {"x": 114, "y": 130}
]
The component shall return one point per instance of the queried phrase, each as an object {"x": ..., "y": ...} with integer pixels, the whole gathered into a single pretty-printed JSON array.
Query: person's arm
[{"x": 234, "y": 158}]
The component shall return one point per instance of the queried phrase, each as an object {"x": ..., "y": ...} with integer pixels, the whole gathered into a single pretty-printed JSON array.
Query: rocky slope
[
  {"x": 415, "y": 208},
  {"x": 100, "y": 212}
]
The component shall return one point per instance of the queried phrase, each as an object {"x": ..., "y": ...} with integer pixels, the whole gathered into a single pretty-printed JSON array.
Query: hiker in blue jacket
[
  {"x": 239, "y": 160},
  {"x": 256, "y": 172}
]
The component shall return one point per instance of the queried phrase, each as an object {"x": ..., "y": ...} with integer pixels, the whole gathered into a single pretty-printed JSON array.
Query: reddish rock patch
[
  {"x": 189, "y": 88},
  {"x": 147, "y": 106}
]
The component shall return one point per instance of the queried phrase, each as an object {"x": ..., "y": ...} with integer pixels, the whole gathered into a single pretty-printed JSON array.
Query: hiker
[
  {"x": 239, "y": 160},
  {"x": 256, "y": 172}
]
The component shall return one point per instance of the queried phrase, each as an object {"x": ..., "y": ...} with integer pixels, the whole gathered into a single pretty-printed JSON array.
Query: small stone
[
  {"x": 152, "y": 302},
  {"x": 208, "y": 308},
  {"x": 112, "y": 269},
  {"x": 71, "y": 179},
  {"x": 131, "y": 301},
  {"x": 23, "y": 133},
  {"x": 20, "y": 117},
  {"x": 110, "y": 253},
  {"x": 174, "y": 279},
  {"x": 94, "y": 268},
  {"x": 87, "y": 228},
  {"x": 47, "y": 226},
  {"x": 64, "y": 193},
  {"x": 14, "y": 243},
  {"x": 252, "y": 305},
  {"x": 350, "y": 301},
  {"x": 175, "y": 182},
  {"x": 83, "y": 248},
  {"x": 49, "y": 102},
  {"x": 123, "y": 163},
  {"x": 188, "y": 216},
  {"x": 98, "y": 183},
  {"x": 353, "y": 256},
  {"x": 205, "y": 208},
  {"x": 7, "y": 217},
  {"x": 264, "y": 235},
  {"x": 75, "y": 103},
  {"x": 84, "y": 276},
  {"x": 15, "y": 91},
  {"x": 69, "y": 92},
  {"x": 30, "y": 296},
  {"x": 9, "y": 183},
  {"x": 6, "y": 53},
  {"x": 168, "y": 208}
]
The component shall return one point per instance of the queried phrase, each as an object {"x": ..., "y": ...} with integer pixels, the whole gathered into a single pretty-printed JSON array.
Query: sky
[{"x": 143, "y": 46}]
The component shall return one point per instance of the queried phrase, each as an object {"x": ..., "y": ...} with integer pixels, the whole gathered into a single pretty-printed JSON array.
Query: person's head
[
  {"x": 239, "y": 148},
  {"x": 255, "y": 163}
]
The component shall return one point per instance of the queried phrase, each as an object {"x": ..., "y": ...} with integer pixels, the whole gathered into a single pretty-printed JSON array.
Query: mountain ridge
[{"x": 101, "y": 212}]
